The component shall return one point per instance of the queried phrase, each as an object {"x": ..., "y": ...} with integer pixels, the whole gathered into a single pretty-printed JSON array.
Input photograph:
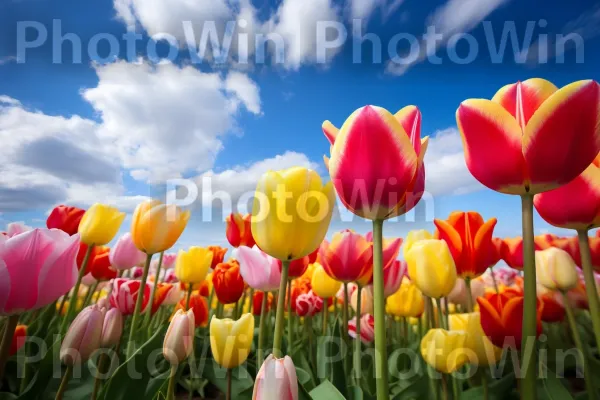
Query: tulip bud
[
  {"x": 230, "y": 341},
  {"x": 100, "y": 224},
  {"x": 556, "y": 269},
  {"x": 179, "y": 339},
  {"x": 366, "y": 305},
  {"x": 431, "y": 267},
  {"x": 112, "y": 328},
  {"x": 322, "y": 284},
  {"x": 413, "y": 237},
  {"x": 83, "y": 337},
  {"x": 276, "y": 379},
  {"x": 444, "y": 350},
  {"x": 484, "y": 352},
  {"x": 407, "y": 301}
]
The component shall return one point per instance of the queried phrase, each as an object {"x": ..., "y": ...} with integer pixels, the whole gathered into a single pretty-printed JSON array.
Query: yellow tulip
[
  {"x": 322, "y": 284},
  {"x": 413, "y": 237},
  {"x": 407, "y": 301},
  {"x": 192, "y": 266},
  {"x": 156, "y": 227},
  {"x": 100, "y": 224},
  {"x": 291, "y": 212},
  {"x": 431, "y": 267},
  {"x": 556, "y": 269},
  {"x": 481, "y": 350},
  {"x": 444, "y": 350},
  {"x": 230, "y": 341}
]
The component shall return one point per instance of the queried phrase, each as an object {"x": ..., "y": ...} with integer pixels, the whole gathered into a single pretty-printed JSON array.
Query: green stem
[
  {"x": 172, "y": 382},
  {"x": 101, "y": 364},
  {"x": 7, "y": 337},
  {"x": 381, "y": 371},
  {"x": 590, "y": 282},
  {"x": 442, "y": 321},
  {"x": 470, "y": 294},
  {"x": 484, "y": 383},
  {"x": 138, "y": 308},
  {"x": 579, "y": 344},
  {"x": 345, "y": 310},
  {"x": 229, "y": 384},
  {"x": 90, "y": 294},
  {"x": 64, "y": 383},
  {"x": 189, "y": 296},
  {"x": 357, "y": 340},
  {"x": 290, "y": 320},
  {"x": 528, "y": 385},
  {"x": 309, "y": 328},
  {"x": 279, "y": 316},
  {"x": 148, "y": 315},
  {"x": 325, "y": 316},
  {"x": 73, "y": 299},
  {"x": 260, "y": 355}
]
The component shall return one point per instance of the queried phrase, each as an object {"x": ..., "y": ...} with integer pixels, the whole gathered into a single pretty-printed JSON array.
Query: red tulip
[
  {"x": 299, "y": 266},
  {"x": 199, "y": 306},
  {"x": 238, "y": 230},
  {"x": 99, "y": 264},
  {"x": 367, "y": 328},
  {"x": 18, "y": 340},
  {"x": 257, "y": 302},
  {"x": 218, "y": 255},
  {"x": 553, "y": 310},
  {"x": 65, "y": 218},
  {"x": 512, "y": 250},
  {"x": 228, "y": 282},
  {"x": 348, "y": 258}
]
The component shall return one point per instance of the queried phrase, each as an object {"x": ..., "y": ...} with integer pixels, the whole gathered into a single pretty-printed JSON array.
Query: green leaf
[
  {"x": 303, "y": 376},
  {"x": 356, "y": 393},
  {"x": 326, "y": 391},
  {"x": 7, "y": 396},
  {"x": 241, "y": 382},
  {"x": 498, "y": 389},
  {"x": 301, "y": 362},
  {"x": 417, "y": 389},
  {"x": 45, "y": 369},
  {"x": 125, "y": 386},
  {"x": 552, "y": 388}
]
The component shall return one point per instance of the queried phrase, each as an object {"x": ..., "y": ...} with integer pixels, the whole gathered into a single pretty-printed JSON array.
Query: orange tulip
[
  {"x": 469, "y": 240},
  {"x": 502, "y": 317},
  {"x": 238, "y": 230},
  {"x": 531, "y": 137},
  {"x": 228, "y": 282},
  {"x": 18, "y": 340},
  {"x": 218, "y": 255},
  {"x": 512, "y": 250},
  {"x": 155, "y": 227}
]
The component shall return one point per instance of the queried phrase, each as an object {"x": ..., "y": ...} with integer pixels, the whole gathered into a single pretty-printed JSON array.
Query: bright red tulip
[
  {"x": 348, "y": 258},
  {"x": 162, "y": 293},
  {"x": 299, "y": 266},
  {"x": 218, "y": 255},
  {"x": 469, "y": 240},
  {"x": 228, "y": 282},
  {"x": 65, "y": 218},
  {"x": 99, "y": 264},
  {"x": 512, "y": 250},
  {"x": 554, "y": 309},
  {"x": 18, "y": 340},
  {"x": 257, "y": 302},
  {"x": 531, "y": 137},
  {"x": 376, "y": 161},
  {"x": 238, "y": 230}
]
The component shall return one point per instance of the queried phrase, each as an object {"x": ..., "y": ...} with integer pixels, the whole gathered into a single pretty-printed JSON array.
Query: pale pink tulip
[
  {"x": 276, "y": 380},
  {"x": 367, "y": 328},
  {"x": 366, "y": 301},
  {"x": 392, "y": 277},
  {"x": 88, "y": 280},
  {"x": 16, "y": 228},
  {"x": 112, "y": 328},
  {"x": 83, "y": 337},
  {"x": 458, "y": 295},
  {"x": 179, "y": 338},
  {"x": 124, "y": 255},
  {"x": 259, "y": 270},
  {"x": 36, "y": 268}
]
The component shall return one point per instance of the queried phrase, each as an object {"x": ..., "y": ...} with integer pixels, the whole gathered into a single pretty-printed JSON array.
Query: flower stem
[
  {"x": 189, "y": 296},
  {"x": 138, "y": 307},
  {"x": 148, "y": 315},
  {"x": 73, "y": 298},
  {"x": 345, "y": 310},
  {"x": 381, "y": 370},
  {"x": 442, "y": 322},
  {"x": 90, "y": 294},
  {"x": 260, "y": 355},
  {"x": 279, "y": 316},
  {"x": 325, "y": 316},
  {"x": 64, "y": 383},
  {"x": 590, "y": 282},
  {"x": 579, "y": 344},
  {"x": 172, "y": 379},
  {"x": 7, "y": 337},
  {"x": 528, "y": 385},
  {"x": 470, "y": 295},
  {"x": 229, "y": 384},
  {"x": 290, "y": 333},
  {"x": 357, "y": 340},
  {"x": 101, "y": 363}
]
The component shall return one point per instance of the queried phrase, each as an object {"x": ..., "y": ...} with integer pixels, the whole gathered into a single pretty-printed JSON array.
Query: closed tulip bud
[
  {"x": 112, "y": 329},
  {"x": 444, "y": 350},
  {"x": 366, "y": 304},
  {"x": 556, "y": 269},
  {"x": 291, "y": 213},
  {"x": 100, "y": 224},
  {"x": 413, "y": 237},
  {"x": 484, "y": 352},
  {"x": 65, "y": 218},
  {"x": 276, "y": 380},
  {"x": 228, "y": 282},
  {"x": 124, "y": 255},
  {"x": 155, "y": 227},
  {"x": 259, "y": 270},
  {"x": 322, "y": 284},
  {"x": 83, "y": 337},
  {"x": 431, "y": 267},
  {"x": 192, "y": 266},
  {"x": 179, "y": 339},
  {"x": 407, "y": 301},
  {"x": 231, "y": 341}
]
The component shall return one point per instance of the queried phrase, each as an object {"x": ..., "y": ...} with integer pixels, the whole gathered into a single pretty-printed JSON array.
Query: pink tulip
[
  {"x": 391, "y": 248},
  {"x": 16, "y": 228},
  {"x": 88, "y": 280},
  {"x": 259, "y": 270},
  {"x": 124, "y": 255},
  {"x": 352, "y": 287},
  {"x": 458, "y": 295},
  {"x": 124, "y": 295},
  {"x": 276, "y": 380},
  {"x": 83, "y": 337},
  {"x": 112, "y": 328},
  {"x": 392, "y": 277},
  {"x": 367, "y": 328},
  {"x": 366, "y": 300},
  {"x": 169, "y": 260},
  {"x": 36, "y": 268},
  {"x": 179, "y": 339}
]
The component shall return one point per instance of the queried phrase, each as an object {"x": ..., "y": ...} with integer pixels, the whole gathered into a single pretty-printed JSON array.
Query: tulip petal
[
  {"x": 522, "y": 99},
  {"x": 447, "y": 233},
  {"x": 410, "y": 119},
  {"x": 562, "y": 138},
  {"x": 493, "y": 145},
  {"x": 330, "y": 131}
]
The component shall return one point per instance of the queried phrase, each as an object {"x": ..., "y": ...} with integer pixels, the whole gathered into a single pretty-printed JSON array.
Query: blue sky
[{"x": 114, "y": 128}]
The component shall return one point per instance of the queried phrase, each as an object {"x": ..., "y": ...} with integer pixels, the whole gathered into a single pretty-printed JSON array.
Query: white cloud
[
  {"x": 445, "y": 168},
  {"x": 455, "y": 16},
  {"x": 6, "y": 100},
  {"x": 363, "y": 9},
  {"x": 166, "y": 120}
]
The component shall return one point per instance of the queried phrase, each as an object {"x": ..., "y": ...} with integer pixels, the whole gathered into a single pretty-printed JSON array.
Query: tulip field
[{"x": 292, "y": 310}]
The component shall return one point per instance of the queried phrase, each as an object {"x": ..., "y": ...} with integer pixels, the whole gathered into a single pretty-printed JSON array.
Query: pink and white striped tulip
[
  {"x": 276, "y": 380},
  {"x": 367, "y": 328}
]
